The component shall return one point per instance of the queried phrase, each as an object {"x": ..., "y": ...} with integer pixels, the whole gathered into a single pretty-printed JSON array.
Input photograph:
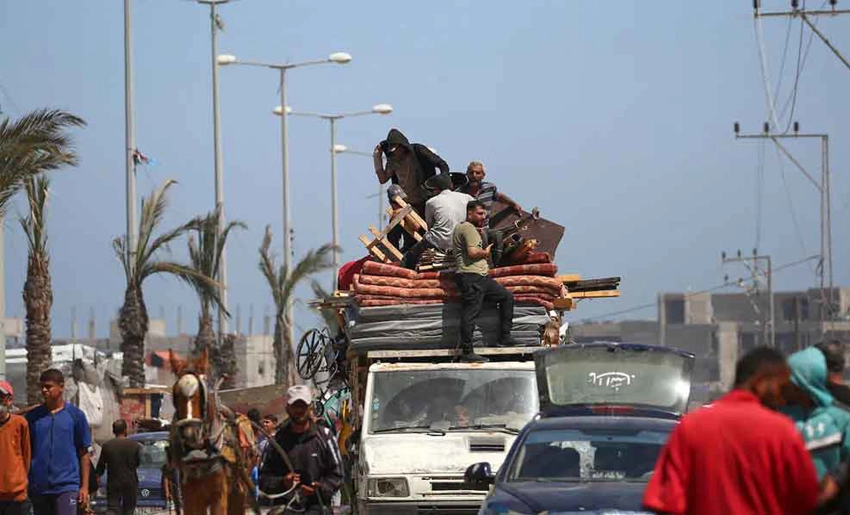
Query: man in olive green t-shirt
[{"x": 475, "y": 285}]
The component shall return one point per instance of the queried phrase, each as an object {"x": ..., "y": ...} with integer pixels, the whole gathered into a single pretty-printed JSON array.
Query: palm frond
[
  {"x": 33, "y": 224},
  {"x": 119, "y": 246},
  {"x": 197, "y": 281},
  {"x": 205, "y": 254},
  {"x": 268, "y": 269},
  {"x": 32, "y": 145},
  {"x": 152, "y": 213},
  {"x": 313, "y": 262}
]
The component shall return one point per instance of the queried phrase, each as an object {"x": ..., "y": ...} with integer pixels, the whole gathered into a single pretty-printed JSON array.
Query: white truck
[{"x": 426, "y": 418}]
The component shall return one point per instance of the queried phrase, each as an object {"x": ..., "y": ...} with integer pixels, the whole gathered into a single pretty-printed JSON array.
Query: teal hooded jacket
[{"x": 826, "y": 427}]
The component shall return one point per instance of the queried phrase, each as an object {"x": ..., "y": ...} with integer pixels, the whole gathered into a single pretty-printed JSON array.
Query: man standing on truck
[
  {"x": 475, "y": 286},
  {"x": 443, "y": 212},
  {"x": 120, "y": 457},
  {"x": 313, "y": 453},
  {"x": 408, "y": 166}
]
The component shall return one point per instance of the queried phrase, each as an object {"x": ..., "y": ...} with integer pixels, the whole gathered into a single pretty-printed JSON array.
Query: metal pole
[
  {"x": 219, "y": 181},
  {"x": 2, "y": 298},
  {"x": 380, "y": 207},
  {"x": 334, "y": 208},
  {"x": 825, "y": 40},
  {"x": 770, "y": 293},
  {"x": 287, "y": 237},
  {"x": 828, "y": 213},
  {"x": 129, "y": 132}
]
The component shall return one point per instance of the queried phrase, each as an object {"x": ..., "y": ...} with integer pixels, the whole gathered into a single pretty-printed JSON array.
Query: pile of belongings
[
  {"x": 379, "y": 284},
  {"x": 436, "y": 260}
]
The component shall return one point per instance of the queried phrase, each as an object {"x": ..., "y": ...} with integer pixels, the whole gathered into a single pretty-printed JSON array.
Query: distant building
[{"x": 718, "y": 328}]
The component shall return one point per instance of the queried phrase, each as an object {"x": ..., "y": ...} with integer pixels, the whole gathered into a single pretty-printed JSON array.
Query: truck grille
[{"x": 487, "y": 445}]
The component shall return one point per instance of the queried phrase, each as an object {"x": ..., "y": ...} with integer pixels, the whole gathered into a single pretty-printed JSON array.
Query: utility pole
[
  {"x": 805, "y": 14},
  {"x": 753, "y": 265},
  {"x": 129, "y": 132},
  {"x": 219, "y": 181},
  {"x": 823, "y": 187}
]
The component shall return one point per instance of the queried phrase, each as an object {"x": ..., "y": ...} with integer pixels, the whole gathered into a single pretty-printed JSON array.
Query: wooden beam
[
  {"x": 602, "y": 294},
  {"x": 569, "y": 278},
  {"x": 564, "y": 304},
  {"x": 372, "y": 250},
  {"x": 389, "y": 247},
  {"x": 418, "y": 219}
]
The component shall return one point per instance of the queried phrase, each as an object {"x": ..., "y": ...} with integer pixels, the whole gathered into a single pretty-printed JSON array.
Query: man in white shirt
[{"x": 443, "y": 212}]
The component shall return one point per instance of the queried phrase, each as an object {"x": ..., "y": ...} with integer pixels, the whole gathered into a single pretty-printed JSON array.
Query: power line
[{"x": 725, "y": 284}]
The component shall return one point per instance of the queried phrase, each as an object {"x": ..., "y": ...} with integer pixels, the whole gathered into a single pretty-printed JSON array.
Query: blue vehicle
[
  {"x": 607, "y": 409},
  {"x": 154, "y": 453}
]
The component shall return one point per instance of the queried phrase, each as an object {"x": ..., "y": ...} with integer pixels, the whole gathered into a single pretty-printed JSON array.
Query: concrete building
[{"x": 718, "y": 328}]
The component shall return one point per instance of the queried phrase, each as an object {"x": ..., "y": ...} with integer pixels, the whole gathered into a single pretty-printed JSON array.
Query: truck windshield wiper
[
  {"x": 417, "y": 429},
  {"x": 474, "y": 427}
]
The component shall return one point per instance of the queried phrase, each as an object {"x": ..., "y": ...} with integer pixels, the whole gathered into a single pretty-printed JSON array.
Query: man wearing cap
[
  {"x": 14, "y": 456},
  {"x": 313, "y": 452}
]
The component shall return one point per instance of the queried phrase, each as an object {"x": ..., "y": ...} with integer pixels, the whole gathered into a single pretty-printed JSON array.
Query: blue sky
[{"x": 614, "y": 118}]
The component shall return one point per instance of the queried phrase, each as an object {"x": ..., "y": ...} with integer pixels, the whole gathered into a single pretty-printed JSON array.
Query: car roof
[
  {"x": 634, "y": 346},
  {"x": 153, "y": 435},
  {"x": 602, "y": 422}
]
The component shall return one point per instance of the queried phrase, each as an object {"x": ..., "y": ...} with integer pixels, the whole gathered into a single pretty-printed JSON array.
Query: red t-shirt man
[{"x": 737, "y": 456}]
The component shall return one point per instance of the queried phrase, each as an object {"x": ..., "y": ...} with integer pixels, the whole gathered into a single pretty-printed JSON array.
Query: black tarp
[{"x": 433, "y": 326}]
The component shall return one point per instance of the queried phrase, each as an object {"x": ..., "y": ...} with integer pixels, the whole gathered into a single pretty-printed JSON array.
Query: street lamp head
[
  {"x": 339, "y": 149},
  {"x": 382, "y": 109},
  {"x": 225, "y": 59},
  {"x": 339, "y": 58},
  {"x": 278, "y": 111}
]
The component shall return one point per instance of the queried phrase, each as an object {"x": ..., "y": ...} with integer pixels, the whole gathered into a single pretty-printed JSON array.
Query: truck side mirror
[{"x": 479, "y": 476}]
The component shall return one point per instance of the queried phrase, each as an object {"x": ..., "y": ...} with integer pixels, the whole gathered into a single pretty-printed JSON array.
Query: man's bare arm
[
  {"x": 382, "y": 174},
  {"x": 478, "y": 253},
  {"x": 508, "y": 200}
]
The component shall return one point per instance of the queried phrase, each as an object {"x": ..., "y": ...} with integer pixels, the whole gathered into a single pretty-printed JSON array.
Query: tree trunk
[
  {"x": 206, "y": 336},
  {"x": 284, "y": 356},
  {"x": 38, "y": 299},
  {"x": 224, "y": 361},
  {"x": 133, "y": 323}
]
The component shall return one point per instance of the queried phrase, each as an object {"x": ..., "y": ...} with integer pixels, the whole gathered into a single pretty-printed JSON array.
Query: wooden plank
[
  {"x": 397, "y": 218},
  {"x": 603, "y": 294},
  {"x": 413, "y": 214},
  {"x": 389, "y": 247},
  {"x": 564, "y": 304},
  {"x": 373, "y": 250},
  {"x": 569, "y": 278}
]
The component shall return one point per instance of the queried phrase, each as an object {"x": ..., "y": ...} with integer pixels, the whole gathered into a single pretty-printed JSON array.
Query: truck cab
[{"x": 425, "y": 420}]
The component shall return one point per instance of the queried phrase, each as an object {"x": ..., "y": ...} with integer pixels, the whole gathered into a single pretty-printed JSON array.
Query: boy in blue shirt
[{"x": 60, "y": 435}]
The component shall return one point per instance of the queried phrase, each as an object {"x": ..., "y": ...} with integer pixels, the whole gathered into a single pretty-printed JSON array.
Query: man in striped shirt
[{"x": 485, "y": 192}]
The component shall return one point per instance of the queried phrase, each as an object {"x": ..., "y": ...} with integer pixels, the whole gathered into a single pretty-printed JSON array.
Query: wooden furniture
[{"x": 404, "y": 215}]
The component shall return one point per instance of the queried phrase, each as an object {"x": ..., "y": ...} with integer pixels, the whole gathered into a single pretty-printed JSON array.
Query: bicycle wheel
[{"x": 308, "y": 353}]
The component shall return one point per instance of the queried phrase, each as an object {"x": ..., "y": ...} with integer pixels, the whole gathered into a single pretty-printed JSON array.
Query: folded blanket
[
  {"x": 375, "y": 268},
  {"x": 547, "y": 269},
  {"x": 531, "y": 280},
  {"x": 400, "y": 282}
]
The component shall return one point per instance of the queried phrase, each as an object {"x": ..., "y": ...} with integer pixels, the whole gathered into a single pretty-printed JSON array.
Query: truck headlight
[{"x": 388, "y": 487}]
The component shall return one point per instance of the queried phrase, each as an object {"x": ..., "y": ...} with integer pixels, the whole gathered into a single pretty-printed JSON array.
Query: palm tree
[
  {"x": 205, "y": 257},
  {"x": 38, "y": 294},
  {"x": 34, "y": 144},
  {"x": 282, "y": 285},
  {"x": 142, "y": 262}
]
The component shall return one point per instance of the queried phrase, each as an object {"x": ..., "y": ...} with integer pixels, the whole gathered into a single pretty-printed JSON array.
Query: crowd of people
[
  {"x": 458, "y": 221},
  {"x": 778, "y": 443}
]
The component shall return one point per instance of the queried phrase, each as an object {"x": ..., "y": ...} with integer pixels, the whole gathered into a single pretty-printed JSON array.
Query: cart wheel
[{"x": 308, "y": 354}]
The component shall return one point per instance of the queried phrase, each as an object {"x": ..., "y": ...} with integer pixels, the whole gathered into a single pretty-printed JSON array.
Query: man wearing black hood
[{"x": 409, "y": 166}]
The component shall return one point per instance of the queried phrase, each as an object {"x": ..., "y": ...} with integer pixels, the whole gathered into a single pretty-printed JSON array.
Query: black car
[
  {"x": 151, "y": 496},
  {"x": 607, "y": 409}
]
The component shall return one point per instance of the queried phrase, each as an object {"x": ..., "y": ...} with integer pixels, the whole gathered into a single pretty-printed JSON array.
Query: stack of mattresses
[
  {"x": 434, "y": 326},
  {"x": 381, "y": 284}
]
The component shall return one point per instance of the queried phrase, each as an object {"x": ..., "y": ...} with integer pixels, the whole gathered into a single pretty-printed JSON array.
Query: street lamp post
[
  {"x": 342, "y": 149},
  {"x": 338, "y": 58},
  {"x": 219, "y": 180},
  {"x": 382, "y": 109}
]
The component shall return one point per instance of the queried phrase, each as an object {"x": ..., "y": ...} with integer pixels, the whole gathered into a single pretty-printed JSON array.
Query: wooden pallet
[{"x": 380, "y": 247}]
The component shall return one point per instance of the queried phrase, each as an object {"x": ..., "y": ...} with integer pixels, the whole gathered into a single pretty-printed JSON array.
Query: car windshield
[
  {"x": 153, "y": 453},
  {"x": 587, "y": 455},
  {"x": 452, "y": 400}
]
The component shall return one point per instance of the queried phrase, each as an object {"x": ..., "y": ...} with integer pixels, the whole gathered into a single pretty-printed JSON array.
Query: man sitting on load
[
  {"x": 443, "y": 212},
  {"x": 486, "y": 192}
]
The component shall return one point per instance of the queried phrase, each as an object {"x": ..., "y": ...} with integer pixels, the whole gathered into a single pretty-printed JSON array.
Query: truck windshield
[{"x": 457, "y": 399}]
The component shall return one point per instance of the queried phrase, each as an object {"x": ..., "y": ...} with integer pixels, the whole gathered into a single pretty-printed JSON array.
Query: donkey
[{"x": 209, "y": 445}]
